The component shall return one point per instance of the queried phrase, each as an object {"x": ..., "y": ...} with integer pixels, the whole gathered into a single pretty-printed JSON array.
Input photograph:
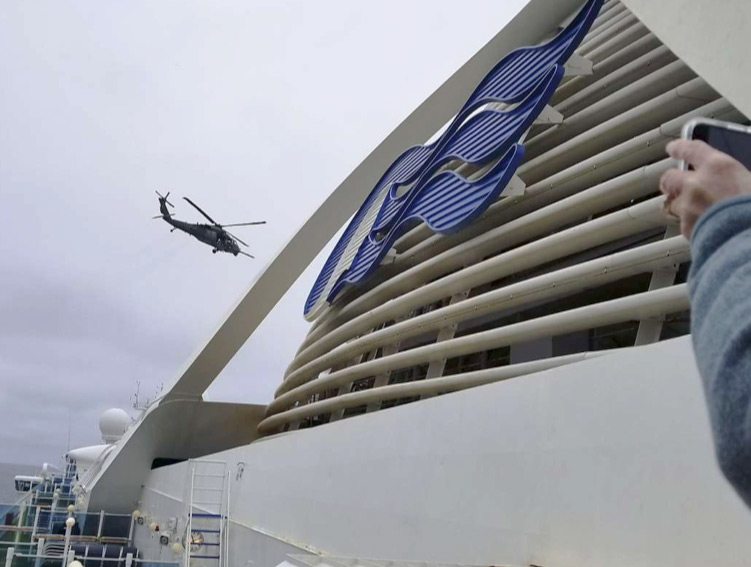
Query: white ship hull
[{"x": 604, "y": 462}]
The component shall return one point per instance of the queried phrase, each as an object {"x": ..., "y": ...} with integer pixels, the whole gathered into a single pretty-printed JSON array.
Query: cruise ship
[{"x": 499, "y": 367}]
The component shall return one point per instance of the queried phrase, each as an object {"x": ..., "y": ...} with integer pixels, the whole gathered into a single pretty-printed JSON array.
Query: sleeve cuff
[{"x": 717, "y": 208}]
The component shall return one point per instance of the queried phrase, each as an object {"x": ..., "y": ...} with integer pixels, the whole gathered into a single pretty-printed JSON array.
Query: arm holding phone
[{"x": 712, "y": 198}]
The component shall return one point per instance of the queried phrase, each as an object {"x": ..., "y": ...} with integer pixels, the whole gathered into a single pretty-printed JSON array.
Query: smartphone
[{"x": 732, "y": 139}]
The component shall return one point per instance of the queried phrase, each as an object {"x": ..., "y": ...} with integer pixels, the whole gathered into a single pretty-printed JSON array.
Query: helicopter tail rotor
[{"x": 165, "y": 198}]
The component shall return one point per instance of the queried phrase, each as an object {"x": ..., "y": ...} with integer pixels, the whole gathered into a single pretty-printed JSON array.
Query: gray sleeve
[{"x": 720, "y": 290}]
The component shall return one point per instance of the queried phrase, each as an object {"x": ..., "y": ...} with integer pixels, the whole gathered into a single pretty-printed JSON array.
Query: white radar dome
[{"x": 113, "y": 423}]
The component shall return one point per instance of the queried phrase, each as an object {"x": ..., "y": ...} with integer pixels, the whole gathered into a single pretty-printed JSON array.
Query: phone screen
[{"x": 731, "y": 142}]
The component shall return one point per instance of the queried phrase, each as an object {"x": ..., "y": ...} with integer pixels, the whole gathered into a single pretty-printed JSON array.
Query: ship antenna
[{"x": 69, "y": 424}]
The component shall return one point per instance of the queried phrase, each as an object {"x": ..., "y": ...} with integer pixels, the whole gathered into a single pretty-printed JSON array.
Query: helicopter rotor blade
[
  {"x": 202, "y": 212},
  {"x": 165, "y": 197},
  {"x": 246, "y": 254},
  {"x": 235, "y": 237},
  {"x": 243, "y": 224}
]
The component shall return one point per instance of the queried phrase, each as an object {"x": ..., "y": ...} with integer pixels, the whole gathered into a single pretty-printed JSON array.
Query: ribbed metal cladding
[{"x": 581, "y": 263}]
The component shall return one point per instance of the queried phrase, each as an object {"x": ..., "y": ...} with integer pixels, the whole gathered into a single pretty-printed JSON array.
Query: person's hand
[{"x": 716, "y": 176}]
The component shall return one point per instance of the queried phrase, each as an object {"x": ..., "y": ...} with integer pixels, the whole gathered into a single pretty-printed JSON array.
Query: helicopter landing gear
[{"x": 213, "y": 251}]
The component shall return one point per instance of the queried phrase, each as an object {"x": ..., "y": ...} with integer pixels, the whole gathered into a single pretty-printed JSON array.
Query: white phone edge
[{"x": 687, "y": 132}]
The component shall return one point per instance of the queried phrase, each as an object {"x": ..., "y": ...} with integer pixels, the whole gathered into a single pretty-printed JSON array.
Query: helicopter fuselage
[{"x": 214, "y": 236}]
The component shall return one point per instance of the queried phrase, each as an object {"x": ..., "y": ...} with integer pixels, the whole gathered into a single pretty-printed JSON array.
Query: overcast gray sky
[{"x": 256, "y": 110}]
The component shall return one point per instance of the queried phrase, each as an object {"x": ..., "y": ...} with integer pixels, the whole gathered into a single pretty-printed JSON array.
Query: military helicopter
[{"x": 213, "y": 234}]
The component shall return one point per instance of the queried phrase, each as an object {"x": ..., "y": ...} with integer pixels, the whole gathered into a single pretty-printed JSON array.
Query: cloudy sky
[{"x": 254, "y": 109}]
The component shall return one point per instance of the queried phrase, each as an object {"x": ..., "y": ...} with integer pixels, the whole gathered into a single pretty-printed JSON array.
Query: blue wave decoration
[
  {"x": 514, "y": 79},
  {"x": 447, "y": 203},
  {"x": 404, "y": 170},
  {"x": 484, "y": 136}
]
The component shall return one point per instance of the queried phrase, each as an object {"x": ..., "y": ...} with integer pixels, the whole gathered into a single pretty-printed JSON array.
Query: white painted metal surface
[
  {"x": 602, "y": 462},
  {"x": 711, "y": 37}
]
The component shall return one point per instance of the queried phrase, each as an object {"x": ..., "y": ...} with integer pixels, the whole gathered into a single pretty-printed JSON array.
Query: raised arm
[{"x": 713, "y": 203}]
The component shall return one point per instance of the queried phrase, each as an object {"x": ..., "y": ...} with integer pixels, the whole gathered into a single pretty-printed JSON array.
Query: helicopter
[{"x": 214, "y": 234}]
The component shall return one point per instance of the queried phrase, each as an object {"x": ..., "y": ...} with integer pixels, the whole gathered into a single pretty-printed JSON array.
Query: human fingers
[
  {"x": 693, "y": 152},
  {"x": 673, "y": 181},
  {"x": 679, "y": 208}
]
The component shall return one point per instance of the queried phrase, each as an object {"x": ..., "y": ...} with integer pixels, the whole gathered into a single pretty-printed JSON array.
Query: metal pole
[
  {"x": 226, "y": 539},
  {"x": 19, "y": 522},
  {"x": 189, "y": 535},
  {"x": 132, "y": 526},
  {"x": 40, "y": 552},
  {"x": 69, "y": 557},
  {"x": 55, "y": 497},
  {"x": 68, "y": 527},
  {"x": 36, "y": 523},
  {"x": 128, "y": 560},
  {"x": 101, "y": 524},
  {"x": 9, "y": 557}
]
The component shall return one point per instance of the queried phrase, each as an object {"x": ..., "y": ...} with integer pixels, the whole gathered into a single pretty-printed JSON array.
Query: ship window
[
  {"x": 478, "y": 361},
  {"x": 618, "y": 335},
  {"x": 676, "y": 325},
  {"x": 682, "y": 275},
  {"x": 356, "y": 410},
  {"x": 163, "y": 462},
  {"x": 405, "y": 375},
  {"x": 314, "y": 420},
  {"x": 362, "y": 384},
  {"x": 409, "y": 374}
]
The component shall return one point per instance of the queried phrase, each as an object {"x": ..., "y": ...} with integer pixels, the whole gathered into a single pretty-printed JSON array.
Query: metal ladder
[{"x": 208, "y": 515}]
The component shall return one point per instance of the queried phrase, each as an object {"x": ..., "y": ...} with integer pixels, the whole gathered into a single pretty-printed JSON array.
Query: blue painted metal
[
  {"x": 517, "y": 78},
  {"x": 403, "y": 170},
  {"x": 447, "y": 203},
  {"x": 480, "y": 140},
  {"x": 483, "y": 137},
  {"x": 514, "y": 75}
]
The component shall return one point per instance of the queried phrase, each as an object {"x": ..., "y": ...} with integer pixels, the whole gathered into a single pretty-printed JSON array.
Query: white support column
[
  {"x": 19, "y": 522},
  {"x": 436, "y": 367},
  {"x": 9, "y": 557},
  {"x": 53, "y": 507},
  {"x": 101, "y": 524},
  {"x": 36, "y": 523},
  {"x": 40, "y": 552},
  {"x": 129, "y": 560},
  {"x": 347, "y": 388},
  {"x": 68, "y": 527},
  {"x": 383, "y": 378},
  {"x": 651, "y": 329}
]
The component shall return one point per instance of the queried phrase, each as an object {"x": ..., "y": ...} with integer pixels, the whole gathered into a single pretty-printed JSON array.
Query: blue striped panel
[
  {"x": 488, "y": 134},
  {"x": 511, "y": 80},
  {"x": 402, "y": 170},
  {"x": 448, "y": 201},
  {"x": 483, "y": 137},
  {"x": 512, "y": 77}
]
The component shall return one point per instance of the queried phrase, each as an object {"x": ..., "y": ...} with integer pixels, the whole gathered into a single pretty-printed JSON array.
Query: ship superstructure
[{"x": 498, "y": 369}]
